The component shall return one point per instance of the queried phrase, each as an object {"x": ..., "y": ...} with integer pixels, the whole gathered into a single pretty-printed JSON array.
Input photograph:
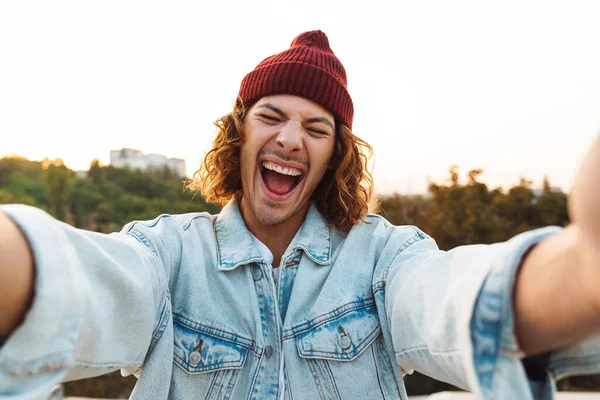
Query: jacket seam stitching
[
  {"x": 189, "y": 223},
  {"x": 325, "y": 318},
  {"x": 425, "y": 348},
  {"x": 329, "y": 355},
  {"x": 161, "y": 326},
  {"x": 219, "y": 333}
]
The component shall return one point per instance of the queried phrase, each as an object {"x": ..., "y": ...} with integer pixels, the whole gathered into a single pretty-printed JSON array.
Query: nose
[{"x": 289, "y": 137}]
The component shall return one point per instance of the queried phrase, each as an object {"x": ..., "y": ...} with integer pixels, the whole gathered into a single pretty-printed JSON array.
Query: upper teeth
[{"x": 281, "y": 170}]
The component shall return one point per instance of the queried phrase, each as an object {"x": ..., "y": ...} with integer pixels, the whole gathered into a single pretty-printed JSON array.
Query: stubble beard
[{"x": 267, "y": 214}]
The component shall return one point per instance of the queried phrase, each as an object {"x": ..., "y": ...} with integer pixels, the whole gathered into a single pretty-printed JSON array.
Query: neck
[{"x": 276, "y": 237}]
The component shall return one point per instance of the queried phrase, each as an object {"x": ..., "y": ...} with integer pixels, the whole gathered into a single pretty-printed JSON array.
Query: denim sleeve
[
  {"x": 450, "y": 315},
  {"x": 96, "y": 306}
]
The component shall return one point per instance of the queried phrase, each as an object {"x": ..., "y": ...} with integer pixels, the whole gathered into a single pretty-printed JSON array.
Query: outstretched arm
[
  {"x": 16, "y": 276},
  {"x": 75, "y": 303},
  {"x": 466, "y": 316},
  {"x": 557, "y": 295}
]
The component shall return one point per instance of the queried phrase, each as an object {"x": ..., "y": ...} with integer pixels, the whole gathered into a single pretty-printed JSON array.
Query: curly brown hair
[{"x": 343, "y": 197}]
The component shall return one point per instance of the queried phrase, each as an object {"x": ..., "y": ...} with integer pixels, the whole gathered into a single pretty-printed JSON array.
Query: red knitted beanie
[{"x": 307, "y": 69}]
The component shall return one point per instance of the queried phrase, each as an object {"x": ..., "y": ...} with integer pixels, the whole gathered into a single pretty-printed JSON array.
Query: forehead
[{"x": 291, "y": 104}]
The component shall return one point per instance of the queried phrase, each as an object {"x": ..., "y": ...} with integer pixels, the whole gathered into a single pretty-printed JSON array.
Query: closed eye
[
  {"x": 269, "y": 119},
  {"x": 317, "y": 131}
]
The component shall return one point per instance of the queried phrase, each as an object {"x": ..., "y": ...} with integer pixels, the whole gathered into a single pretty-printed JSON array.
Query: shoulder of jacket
[
  {"x": 173, "y": 221},
  {"x": 377, "y": 221}
]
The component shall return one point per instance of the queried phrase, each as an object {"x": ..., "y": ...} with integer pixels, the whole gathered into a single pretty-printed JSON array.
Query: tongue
[{"x": 278, "y": 183}]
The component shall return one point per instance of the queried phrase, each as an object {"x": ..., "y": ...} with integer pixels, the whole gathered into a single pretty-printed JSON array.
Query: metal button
[
  {"x": 269, "y": 351},
  {"x": 195, "y": 357},
  {"x": 257, "y": 273},
  {"x": 344, "y": 341}
]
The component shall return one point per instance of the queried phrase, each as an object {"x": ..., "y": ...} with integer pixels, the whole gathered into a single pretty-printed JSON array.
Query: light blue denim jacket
[{"x": 186, "y": 303}]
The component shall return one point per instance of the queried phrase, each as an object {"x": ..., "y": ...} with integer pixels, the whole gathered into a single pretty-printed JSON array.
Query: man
[{"x": 293, "y": 291}]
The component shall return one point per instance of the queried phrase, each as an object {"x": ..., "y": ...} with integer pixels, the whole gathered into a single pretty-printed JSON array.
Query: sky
[{"x": 511, "y": 87}]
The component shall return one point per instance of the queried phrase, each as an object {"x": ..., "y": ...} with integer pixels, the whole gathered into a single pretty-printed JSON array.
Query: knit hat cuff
[{"x": 299, "y": 79}]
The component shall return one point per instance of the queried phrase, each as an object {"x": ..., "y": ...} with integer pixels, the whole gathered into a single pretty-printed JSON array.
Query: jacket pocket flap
[
  {"x": 341, "y": 338},
  {"x": 200, "y": 348}
]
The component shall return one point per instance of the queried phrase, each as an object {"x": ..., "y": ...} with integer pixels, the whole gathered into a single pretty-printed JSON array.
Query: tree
[
  {"x": 96, "y": 172},
  {"x": 551, "y": 206},
  {"x": 58, "y": 178},
  {"x": 83, "y": 198}
]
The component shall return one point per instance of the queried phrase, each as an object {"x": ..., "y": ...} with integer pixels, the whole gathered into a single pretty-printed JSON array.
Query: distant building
[{"x": 137, "y": 160}]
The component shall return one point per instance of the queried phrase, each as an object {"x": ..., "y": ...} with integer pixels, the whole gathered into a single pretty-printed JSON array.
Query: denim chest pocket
[
  {"x": 340, "y": 337},
  {"x": 210, "y": 359},
  {"x": 346, "y": 356}
]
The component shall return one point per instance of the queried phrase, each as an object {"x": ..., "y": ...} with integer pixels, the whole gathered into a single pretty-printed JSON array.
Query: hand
[
  {"x": 584, "y": 204},
  {"x": 567, "y": 263},
  {"x": 16, "y": 276}
]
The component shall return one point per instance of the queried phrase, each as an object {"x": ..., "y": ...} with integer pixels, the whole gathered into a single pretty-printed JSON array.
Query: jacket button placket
[
  {"x": 268, "y": 378},
  {"x": 257, "y": 273},
  {"x": 269, "y": 351}
]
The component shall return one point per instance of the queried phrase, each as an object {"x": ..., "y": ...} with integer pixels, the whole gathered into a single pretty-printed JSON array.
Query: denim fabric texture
[{"x": 186, "y": 303}]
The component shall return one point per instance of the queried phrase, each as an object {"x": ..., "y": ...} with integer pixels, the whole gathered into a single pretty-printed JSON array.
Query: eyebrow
[
  {"x": 324, "y": 120},
  {"x": 276, "y": 110}
]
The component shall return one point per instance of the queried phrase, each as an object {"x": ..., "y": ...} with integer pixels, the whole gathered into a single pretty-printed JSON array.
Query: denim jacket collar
[{"x": 236, "y": 248}]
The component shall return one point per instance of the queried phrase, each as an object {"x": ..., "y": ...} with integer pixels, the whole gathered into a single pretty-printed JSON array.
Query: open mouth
[{"x": 278, "y": 179}]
